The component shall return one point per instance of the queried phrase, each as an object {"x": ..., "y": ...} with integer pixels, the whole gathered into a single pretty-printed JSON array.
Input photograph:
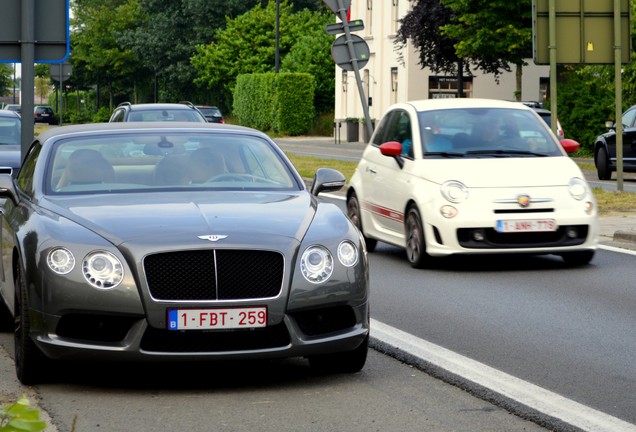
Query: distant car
[
  {"x": 44, "y": 114},
  {"x": 469, "y": 176},
  {"x": 127, "y": 112},
  {"x": 546, "y": 115},
  {"x": 605, "y": 147},
  {"x": 10, "y": 142},
  {"x": 211, "y": 113},
  {"x": 13, "y": 107},
  {"x": 171, "y": 241}
]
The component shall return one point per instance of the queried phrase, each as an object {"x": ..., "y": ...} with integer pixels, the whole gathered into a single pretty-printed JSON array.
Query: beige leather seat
[{"x": 87, "y": 166}]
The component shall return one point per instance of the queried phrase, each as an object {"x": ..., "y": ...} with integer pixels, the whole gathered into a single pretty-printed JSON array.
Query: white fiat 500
[{"x": 470, "y": 176}]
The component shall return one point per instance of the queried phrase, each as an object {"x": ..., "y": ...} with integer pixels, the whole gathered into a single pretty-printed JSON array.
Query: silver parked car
[{"x": 177, "y": 241}]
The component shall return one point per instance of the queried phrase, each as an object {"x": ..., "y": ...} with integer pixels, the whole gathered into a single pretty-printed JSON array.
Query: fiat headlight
[
  {"x": 454, "y": 191},
  {"x": 102, "y": 269},
  {"x": 60, "y": 260},
  {"x": 316, "y": 264},
  {"x": 577, "y": 188}
]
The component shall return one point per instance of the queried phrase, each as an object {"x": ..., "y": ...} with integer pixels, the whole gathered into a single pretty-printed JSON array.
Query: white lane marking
[
  {"x": 615, "y": 249},
  {"x": 525, "y": 393}
]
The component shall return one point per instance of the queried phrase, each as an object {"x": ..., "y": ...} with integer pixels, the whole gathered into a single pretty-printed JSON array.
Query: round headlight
[
  {"x": 316, "y": 264},
  {"x": 454, "y": 191},
  {"x": 60, "y": 260},
  {"x": 102, "y": 269},
  {"x": 347, "y": 253},
  {"x": 577, "y": 188}
]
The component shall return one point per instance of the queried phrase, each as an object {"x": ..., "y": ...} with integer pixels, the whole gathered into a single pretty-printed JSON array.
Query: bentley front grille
[{"x": 221, "y": 274}]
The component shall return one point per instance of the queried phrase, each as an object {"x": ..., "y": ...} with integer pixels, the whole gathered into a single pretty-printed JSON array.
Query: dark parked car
[
  {"x": 546, "y": 115},
  {"x": 172, "y": 241},
  {"x": 605, "y": 147},
  {"x": 211, "y": 113},
  {"x": 44, "y": 114},
  {"x": 185, "y": 111},
  {"x": 10, "y": 150}
]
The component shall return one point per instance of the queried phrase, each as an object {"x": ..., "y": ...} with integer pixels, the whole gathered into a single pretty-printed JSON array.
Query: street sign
[
  {"x": 61, "y": 71},
  {"x": 333, "y": 5},
  {"x": 339, "y": 27},
  {"x": 584, "y": 31},
  {"x": 342, "y": 57},
  {"x": 51, "y": 27}
]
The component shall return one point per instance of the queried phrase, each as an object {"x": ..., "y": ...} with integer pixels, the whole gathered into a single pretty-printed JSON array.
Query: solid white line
[
  {"x": 615, "y": 249},
  {"x": 525, "y": 393}
]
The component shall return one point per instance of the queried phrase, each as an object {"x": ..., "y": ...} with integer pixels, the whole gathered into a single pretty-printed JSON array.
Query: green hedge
[{"x": 279, "y": 102}]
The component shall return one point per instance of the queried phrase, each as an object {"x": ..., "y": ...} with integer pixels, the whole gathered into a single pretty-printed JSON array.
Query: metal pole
[
  {"x": 277, "y": 49},
  {"x": 618, "y": 86},
  {"x": 553, "y": 63},
  {"x": 356, "y": 70},
  {"x": 28, "y": 75}
]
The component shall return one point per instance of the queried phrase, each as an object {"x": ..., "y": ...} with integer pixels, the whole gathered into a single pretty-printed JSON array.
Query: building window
[
  {"x": 446, "y": 87},
  {"x": 394, "y": 79},
  {"x": 395, "y": 15},
  {"x": 369, "y": 17},
  {"x": 344, "y": 81}
]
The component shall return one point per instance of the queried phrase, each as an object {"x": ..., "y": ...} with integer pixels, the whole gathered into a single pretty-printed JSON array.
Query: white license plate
[
  {"x": 526, "y": 225},
  {"x": 212, "y": 319}
]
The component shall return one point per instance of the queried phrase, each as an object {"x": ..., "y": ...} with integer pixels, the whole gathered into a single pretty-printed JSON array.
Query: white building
[{"x": 385, "y": 80}]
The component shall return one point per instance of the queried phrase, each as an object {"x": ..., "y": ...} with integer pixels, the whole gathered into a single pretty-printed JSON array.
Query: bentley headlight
[
  {"x": 60, "y": 260},
  {"x": 102, "y": 269},
  {"x": 577, "y": 188},
  {"x": 454, "y": 191},
  {"x": 347, "y": 253},
  {"x": 316, "y": 264}
]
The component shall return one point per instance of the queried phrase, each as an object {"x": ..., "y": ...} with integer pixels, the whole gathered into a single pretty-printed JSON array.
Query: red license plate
[
  {"x": 526, "y": 225},
  {"x": 218, "y": 318}
]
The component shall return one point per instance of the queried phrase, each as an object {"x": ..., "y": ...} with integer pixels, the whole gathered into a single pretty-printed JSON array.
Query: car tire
[
  {"x": 602, "y": 165},
  {"x": 415, "y": 240},
  {"x": 354, "y": 213},
  {"x": 341, "y": 362},
  {"x": 576, "y": 259},
  {"x": 30, "y": 363}
]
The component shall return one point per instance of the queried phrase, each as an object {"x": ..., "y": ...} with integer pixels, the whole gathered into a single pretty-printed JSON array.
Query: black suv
[
  {"x": 44, "y": 114},
  {"x": 183, "y": 111},
  {"x": 211, "y": 113}
]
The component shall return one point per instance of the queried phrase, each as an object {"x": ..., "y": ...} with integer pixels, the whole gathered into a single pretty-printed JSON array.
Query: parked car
[
  {"x": 605, "y": 147},
  {"x": 177, "y": 242},
  {"x": 546, "y": 115},
  {"x": 211, "y": 113},
  {"x": 185, "y": 111},
  {"x": 469, "y": 176},
  {"x": 10, "y": 142},
  {"x": 13, "y": 107},
  {"x": 44, "y": 114}
]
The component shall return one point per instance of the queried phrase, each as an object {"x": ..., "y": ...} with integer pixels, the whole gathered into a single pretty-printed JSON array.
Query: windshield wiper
[
  {"x": 444, "y": 154},
  {"x": 505, "y": 152}
]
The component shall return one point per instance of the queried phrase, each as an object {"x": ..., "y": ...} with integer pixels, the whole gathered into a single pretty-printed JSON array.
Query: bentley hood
[{"x": 187, "y": 219}]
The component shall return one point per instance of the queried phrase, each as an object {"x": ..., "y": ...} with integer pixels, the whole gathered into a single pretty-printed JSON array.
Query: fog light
[
  {"x": 478, "y": 235},
  {"x": 571, "y": 233}
]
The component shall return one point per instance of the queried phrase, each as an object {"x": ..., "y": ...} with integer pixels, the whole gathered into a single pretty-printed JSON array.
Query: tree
[
  {"x": 6, "y": 80},
  {"x": 246, "y": 45},
  {"x": 167, "y": 34},
  {"x": 492, "y": 33},
  {"x": 97, "y": 52}
]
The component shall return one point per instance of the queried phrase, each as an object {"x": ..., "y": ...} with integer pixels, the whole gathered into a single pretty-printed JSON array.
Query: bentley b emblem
[
  {"x": 523, "y": 200},
  {"x": 212, "y": 237}
]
